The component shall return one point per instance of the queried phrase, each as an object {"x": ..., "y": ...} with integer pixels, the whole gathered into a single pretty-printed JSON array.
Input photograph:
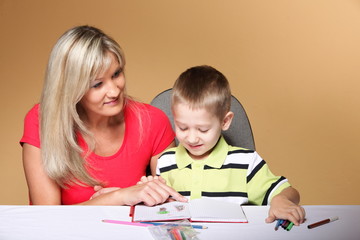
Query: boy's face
[{"x": 198, "y": 130}]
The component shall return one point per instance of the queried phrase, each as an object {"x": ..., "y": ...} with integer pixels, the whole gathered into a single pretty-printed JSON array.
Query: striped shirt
[{"x": 229, "y": 173}]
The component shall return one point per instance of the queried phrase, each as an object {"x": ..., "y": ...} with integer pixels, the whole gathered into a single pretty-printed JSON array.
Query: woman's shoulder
[
  {"x": 144, "y": 108},
  {"x": 33, "y": 112}
]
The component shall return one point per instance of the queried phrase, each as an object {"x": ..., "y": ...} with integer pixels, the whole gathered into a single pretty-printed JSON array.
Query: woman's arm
[
  {"x": 150, "y": 193},
  {"x": 42, "y": 189}
]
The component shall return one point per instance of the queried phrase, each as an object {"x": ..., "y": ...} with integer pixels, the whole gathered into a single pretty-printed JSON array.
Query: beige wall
[{"x": 293, "y": 64}]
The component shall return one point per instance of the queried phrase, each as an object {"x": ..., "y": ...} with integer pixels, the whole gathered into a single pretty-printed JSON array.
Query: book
[{"x": 197, "y": 210}]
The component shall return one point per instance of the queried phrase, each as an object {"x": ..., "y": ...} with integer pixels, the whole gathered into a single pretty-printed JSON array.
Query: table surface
[{"x": 85, "y": 222}]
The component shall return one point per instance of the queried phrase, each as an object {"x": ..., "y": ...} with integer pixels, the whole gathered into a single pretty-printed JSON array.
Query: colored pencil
[
  {"x": 174, "y": 224},
  {"x": 288, "y": 228},
  {"x": 279, "y": 221},
  {"x": 127, "y": 223},
  {"x": 317, "y": 224}
]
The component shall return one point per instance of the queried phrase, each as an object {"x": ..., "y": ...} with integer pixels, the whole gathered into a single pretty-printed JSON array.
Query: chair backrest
[{"x": 239, "y": 134}]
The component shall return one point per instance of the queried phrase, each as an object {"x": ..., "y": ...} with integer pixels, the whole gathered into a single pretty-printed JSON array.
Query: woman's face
[{"x": 105, "y": 98}]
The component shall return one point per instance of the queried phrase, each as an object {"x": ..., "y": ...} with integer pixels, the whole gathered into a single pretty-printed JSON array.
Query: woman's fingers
[{"x": 156, "y": 192}]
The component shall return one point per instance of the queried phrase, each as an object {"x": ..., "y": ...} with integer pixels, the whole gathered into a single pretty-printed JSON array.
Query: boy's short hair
[{"x": 203, "y": 87}]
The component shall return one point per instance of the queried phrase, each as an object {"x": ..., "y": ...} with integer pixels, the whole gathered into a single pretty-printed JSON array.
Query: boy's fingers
[
  {"x": 162, "y": 179},
  {"x": 143, "y": 179},
  {"x": 271, "y": 217}
]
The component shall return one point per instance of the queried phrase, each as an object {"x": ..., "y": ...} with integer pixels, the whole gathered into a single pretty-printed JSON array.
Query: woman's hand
[
  {"x": 150, "y": 191},
  {"x": 99, "y": 190}
]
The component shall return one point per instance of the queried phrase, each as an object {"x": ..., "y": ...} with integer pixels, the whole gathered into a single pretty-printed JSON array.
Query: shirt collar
[{"x": 214, "y": 160}]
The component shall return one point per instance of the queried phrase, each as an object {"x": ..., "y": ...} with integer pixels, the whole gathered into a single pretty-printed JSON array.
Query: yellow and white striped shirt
[{"x": 229, "y": 173}]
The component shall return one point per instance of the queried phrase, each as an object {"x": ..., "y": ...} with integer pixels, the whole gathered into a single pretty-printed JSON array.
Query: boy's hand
[
  {"x": 282, "y": 208},
  {"x": 145, "y": 179}
]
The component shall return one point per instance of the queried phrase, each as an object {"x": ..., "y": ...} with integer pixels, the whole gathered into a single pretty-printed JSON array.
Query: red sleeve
[
  {"x": 31, "y": 128},
  {"x": 161, "y": 129}
]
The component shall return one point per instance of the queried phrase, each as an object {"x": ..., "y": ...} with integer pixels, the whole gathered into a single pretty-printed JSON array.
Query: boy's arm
[{"x": 285, "y": 205}]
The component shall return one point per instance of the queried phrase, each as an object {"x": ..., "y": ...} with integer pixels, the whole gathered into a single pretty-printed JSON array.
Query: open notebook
[{"x": 197, "y": 210}]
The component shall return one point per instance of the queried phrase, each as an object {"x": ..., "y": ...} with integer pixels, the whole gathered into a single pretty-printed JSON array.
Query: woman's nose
[{"x": 113, "y": 90}]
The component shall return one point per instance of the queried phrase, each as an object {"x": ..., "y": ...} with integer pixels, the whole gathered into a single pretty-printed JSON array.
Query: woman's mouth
[{"x": 112, "y": 102}]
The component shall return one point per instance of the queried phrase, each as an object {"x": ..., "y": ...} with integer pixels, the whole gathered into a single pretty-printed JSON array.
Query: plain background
[{"x": 294, "y": 65}]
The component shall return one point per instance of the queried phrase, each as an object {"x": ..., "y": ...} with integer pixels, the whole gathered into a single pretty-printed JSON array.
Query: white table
[{"x": 84, "y": 222}]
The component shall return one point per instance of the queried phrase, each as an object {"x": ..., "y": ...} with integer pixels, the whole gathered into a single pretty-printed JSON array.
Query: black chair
[{"x": 239, "y": 134}]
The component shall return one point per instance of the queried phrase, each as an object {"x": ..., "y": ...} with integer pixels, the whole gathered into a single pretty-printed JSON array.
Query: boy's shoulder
[
  {"x": 234, "y": 149},
  {"x": 169, "y": 151},
  {"x": 167, "y": 154}
]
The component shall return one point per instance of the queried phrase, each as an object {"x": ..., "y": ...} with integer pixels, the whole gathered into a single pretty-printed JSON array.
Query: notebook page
[
  {"x": 167, "y": 211},
  {"x": 205, "y": 209}
]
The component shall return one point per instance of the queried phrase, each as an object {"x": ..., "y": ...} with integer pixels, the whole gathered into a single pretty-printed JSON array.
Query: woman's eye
[
  {"x": 117, "y": 73},
  {"x": 96, "y": 85}
]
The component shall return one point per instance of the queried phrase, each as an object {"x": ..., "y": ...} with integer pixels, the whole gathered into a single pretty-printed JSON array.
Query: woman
[{"x": 96, "y": 142}]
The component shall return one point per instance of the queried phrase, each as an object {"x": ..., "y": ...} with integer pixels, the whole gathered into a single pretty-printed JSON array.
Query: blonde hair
[
  {"x": 203, "y": 87},
  {"x": 77, "y": 58}
]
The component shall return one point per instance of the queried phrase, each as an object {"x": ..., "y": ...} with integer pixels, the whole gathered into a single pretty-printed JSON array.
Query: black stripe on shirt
[
  {"x": 224, "y": 194},
  {"x": 255, "y": 170},
  {"x": 184, "y": 193},
  {"x": 265, "y": 201},
  {"x": 167, "y": 153},
  {"x": 241, "y": 151},
  {"x": 230, "y": 165},
  {"x": 168, "y": 168},
  {"x": 171, "y": 167}
]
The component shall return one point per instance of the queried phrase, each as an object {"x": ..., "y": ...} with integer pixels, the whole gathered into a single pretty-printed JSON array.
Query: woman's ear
[{"x": 227, "y": 121}]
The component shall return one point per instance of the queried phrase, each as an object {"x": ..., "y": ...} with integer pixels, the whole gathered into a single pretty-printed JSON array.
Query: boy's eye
[{"x": 203, "y": 130}]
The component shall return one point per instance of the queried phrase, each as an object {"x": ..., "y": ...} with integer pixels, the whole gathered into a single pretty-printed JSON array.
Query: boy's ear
[{"x": 227, "y": 121}]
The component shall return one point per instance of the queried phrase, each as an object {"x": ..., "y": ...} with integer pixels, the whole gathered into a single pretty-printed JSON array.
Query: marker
[
  {"x": 279, "y": 221},
  {"x": 173, "y": 224},
  {"x": 317, "y": 224},
  {"x": 290, "y": 226},
  {"x": 285, "y": 224}
]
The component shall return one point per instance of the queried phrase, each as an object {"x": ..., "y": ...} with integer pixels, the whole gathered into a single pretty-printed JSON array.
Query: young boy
[{"x": 204, "y": 165}]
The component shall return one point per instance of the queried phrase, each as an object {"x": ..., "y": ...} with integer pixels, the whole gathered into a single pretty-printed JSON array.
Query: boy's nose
[{"x": 192, "y": 137}]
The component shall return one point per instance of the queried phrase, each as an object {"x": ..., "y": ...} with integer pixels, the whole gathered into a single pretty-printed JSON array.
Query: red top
[{"x": 129, "y": 163}]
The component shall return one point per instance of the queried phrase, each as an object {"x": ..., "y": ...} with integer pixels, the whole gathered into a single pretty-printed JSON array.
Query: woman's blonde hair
[{"x": 77, "y": 58}]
